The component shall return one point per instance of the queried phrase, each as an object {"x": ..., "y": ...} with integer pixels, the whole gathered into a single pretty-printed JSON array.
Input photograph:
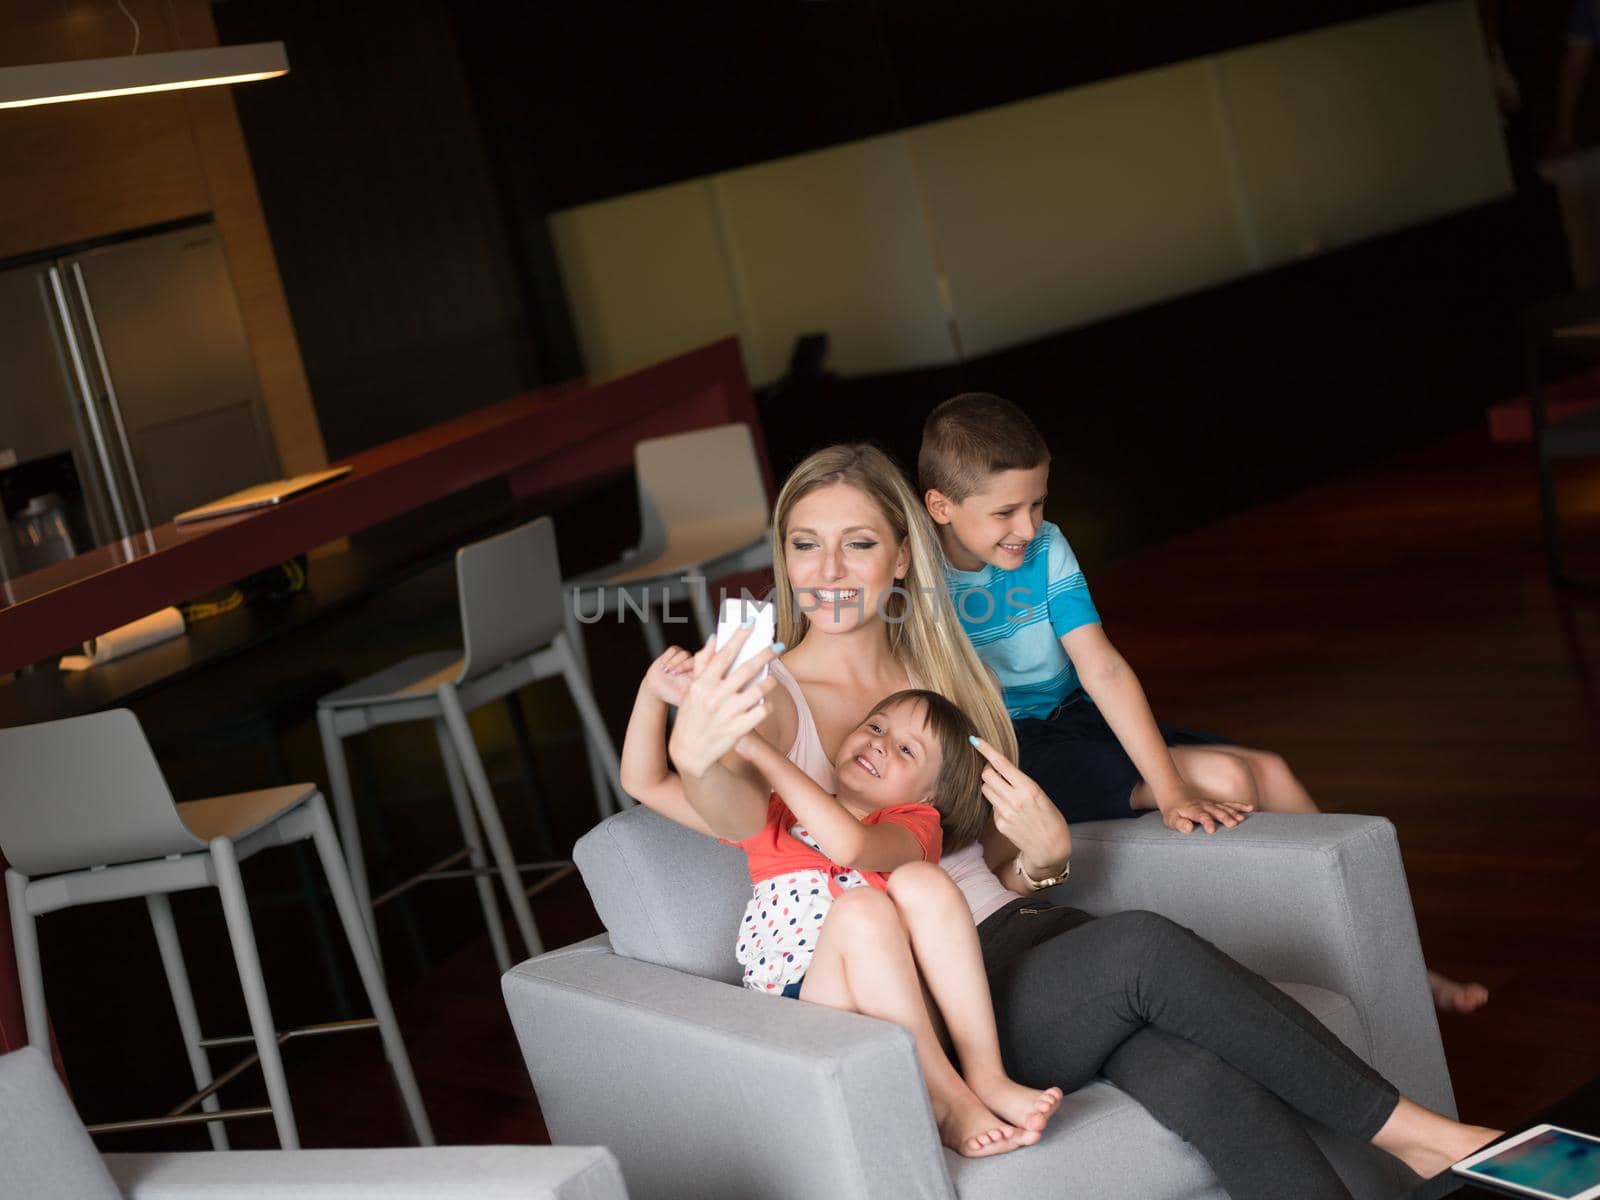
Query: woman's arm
[
  {"x": 841, "y": 837},
  {"x": 1023, "y": 822},
  {"x": 646, "y": 774},
  {"x": 777, "y": 727},
  {"x": 721, "y": 705}
]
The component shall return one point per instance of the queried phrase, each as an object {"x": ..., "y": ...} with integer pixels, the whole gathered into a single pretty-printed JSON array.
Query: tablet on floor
[{"x": 1545, "y": 1161}]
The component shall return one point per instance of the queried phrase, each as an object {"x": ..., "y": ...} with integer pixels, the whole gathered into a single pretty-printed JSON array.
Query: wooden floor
[{"x": 1391, "y": 633}]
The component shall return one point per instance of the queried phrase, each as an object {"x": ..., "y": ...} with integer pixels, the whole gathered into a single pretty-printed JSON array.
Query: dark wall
[
  {"x": 409, "y": 160},
  {"x": 388, "y": 229},
  {"x": 608, "y": 97},
  {"x": 1170, "y": 418}
]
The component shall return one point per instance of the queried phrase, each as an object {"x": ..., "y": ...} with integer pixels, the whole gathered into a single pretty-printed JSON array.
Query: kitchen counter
[{"x": 540, "y": 442}]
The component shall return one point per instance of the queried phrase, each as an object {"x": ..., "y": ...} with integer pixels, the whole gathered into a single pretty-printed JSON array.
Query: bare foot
[
  {"x": 1026, "y": 1107},
  {"x": 1426, "y": 1141},
  {"x": 1451, "y": 996},
  {"x": 972, "y": 1131},
  {"x": 1430, "y": 1160}
]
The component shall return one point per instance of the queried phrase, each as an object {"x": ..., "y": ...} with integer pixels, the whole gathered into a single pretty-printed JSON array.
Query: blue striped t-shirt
[{"x": 1016, "y": 619}]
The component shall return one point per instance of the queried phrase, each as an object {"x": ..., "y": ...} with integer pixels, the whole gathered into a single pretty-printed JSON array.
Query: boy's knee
[
  {"x": 1235, "y": 782},
  {"x": 1273, "y": 765}
]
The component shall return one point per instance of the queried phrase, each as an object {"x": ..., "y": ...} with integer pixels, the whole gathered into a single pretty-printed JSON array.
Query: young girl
[{"x": 848, "y": 907}]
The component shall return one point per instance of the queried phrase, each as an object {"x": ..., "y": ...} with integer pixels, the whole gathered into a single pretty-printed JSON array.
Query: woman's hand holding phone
[{"x": 722, "y": 704}]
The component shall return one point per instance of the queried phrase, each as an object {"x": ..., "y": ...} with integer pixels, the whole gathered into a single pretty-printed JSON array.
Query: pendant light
[{"x": 130, "y": 74}]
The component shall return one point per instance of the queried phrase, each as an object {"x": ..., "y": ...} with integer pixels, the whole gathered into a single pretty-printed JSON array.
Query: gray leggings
[{"x": 1212, "y": 1050}]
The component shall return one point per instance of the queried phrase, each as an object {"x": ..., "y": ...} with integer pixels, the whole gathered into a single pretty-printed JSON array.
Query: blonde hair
[{"x": 924, "y": 633}]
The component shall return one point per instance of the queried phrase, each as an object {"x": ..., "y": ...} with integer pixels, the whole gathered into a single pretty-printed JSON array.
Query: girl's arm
[
  {"x": 842, "y": 838},
  {"x": 646, "y": 775},
  {"x": 720, "y": 706}
]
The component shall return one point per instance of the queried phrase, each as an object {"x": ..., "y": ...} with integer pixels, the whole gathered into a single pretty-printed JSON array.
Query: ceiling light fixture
[{"x": 97, "y": 78}]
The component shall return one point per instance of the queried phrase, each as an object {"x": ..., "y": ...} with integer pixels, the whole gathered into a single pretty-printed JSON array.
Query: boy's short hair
[
  {"x": 958, "y": 790},
  {"x": 971, "y": 437}
]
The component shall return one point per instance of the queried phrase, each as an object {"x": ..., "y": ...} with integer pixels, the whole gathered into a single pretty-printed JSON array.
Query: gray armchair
[
  {"x": 46, "y": 1155},
  {"x": 642, "y": 1039}
]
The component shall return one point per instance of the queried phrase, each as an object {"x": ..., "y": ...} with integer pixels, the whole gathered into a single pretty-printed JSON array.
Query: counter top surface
[{"x": 538, "y": 441}]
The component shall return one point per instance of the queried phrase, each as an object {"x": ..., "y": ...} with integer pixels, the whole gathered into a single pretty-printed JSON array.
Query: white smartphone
[
  {"x": 1546, "y": 1161},
  {"x": 739, "y": 612}
]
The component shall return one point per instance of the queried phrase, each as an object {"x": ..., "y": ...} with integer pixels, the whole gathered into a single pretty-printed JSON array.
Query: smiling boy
[
  {"x": 1084, "y": 728},
  {"x": 1085, "y": 732}
]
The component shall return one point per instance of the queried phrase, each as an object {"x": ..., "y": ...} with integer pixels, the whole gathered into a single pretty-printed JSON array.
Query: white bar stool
[
  {"x": 513, "y": 627},
  {"x": 702, "y": 514},
  {"x": 88, "y": 817}
]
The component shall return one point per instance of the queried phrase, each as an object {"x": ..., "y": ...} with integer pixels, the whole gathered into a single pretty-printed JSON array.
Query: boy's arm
[
  {"x": 646, "y": 775},
  {"x": 842, "y": 838},
  {"x": 1115, "y": 689}
]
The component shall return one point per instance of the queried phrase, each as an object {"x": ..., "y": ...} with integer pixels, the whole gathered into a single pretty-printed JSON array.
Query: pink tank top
[
  {"x": 806, "y": 752},
  {"x": 983, "y": 892}
]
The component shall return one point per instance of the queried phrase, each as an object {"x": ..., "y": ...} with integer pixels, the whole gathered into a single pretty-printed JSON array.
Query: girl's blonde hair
[{"x": 924, "y": 633}]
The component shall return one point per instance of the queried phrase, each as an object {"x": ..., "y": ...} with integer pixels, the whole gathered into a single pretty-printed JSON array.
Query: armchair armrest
[
  {"x": 1305, "y": 899},
  {"x": 420, "y": 1173},
  {"x": 700, "y": 1087}
]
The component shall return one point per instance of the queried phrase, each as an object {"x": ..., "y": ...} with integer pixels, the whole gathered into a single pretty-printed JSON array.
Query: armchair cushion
[
  {"x": 667, "y": 895},
  {"x": 44, "y": 1152}
]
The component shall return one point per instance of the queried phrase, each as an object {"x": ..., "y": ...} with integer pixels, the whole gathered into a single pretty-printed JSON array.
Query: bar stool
[
  {"x": 88, "y": 817},
  {"x": 513, "y": 627},
  {"x": 703, "y": 514}
]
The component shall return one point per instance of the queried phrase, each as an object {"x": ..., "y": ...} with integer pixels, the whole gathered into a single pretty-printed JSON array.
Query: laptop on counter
[{"x": 263, "y": 495}]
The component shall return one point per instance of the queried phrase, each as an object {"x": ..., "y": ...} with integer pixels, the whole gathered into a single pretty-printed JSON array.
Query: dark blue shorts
[
  {"x": 792, "y": 990},
  {"x": 1073, "y": 755}
]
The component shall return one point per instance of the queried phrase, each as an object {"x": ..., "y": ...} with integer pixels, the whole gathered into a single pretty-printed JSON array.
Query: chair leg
[
  {"x": 700, "y": 598},
  {"x": 489, "y": 816},
  {"x": 574, "y": 628},
  {"x": 349, "y": 831},
  {"x": 523, "y": 741},
  {"x": 327, "y": 946},
  {"x": 30, "y": 975},
  {"x": 344, "y": 899},
  {"x": 653, "y": 637},
  {"x": 1552, "y": 521},
  {"x": 183, "y": 1001},
  {"x": 236, "y": 911},
  {"x": 580, "y": 654},
  {"x": 598, "y": 782},
  {"x": 474, "y": 841},
  {"x": 598, "y": 738}
]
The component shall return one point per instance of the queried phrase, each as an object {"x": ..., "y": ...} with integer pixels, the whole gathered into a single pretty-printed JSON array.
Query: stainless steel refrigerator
[{"x": 127, "y": 392}]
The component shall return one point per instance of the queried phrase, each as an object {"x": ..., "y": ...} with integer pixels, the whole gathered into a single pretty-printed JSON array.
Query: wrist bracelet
[{"x": 1038, "y": 885}]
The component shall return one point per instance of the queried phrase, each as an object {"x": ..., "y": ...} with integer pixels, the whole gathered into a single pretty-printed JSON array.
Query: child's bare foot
[
  {"x": 1451, "y": 996},
  {"x": 972, "y": 1131},
  {"x": 1025, "y": 1107}
]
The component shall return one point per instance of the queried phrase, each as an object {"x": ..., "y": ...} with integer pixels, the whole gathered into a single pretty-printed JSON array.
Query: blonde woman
[{"x": 1208, "y": 1047}]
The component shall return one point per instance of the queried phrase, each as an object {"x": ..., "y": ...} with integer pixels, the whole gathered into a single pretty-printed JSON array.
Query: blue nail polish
[
  {"x": 973, "y": 738},
  {"x": 778, "y": 647}
]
